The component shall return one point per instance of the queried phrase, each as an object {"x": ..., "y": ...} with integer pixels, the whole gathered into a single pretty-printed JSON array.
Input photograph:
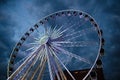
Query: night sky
[{"x": 16, "y": 16}]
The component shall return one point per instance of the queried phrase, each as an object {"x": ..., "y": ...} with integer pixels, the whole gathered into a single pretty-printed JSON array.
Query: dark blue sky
[{"x": 16, "y": 16}]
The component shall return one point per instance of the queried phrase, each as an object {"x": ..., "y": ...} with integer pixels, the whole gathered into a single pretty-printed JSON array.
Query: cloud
[
  {"x": 16, "y": 18},
  {"x": 6, "y": 42}
]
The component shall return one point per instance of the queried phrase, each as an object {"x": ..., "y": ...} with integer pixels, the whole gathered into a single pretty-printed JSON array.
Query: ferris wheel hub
[{"x": 44, "y": 39}]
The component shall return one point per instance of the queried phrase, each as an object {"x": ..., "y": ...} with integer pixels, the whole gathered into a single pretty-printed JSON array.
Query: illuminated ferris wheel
[{"x": 59, "y": 43}]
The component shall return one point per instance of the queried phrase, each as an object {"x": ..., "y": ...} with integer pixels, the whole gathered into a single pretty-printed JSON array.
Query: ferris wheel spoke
[
  {"x": 18, "y": 70},
  {"x": 73, "y": 31},
  {"x": 33, "y": 62},
  {"x": 75, "y": 44},
  {"x": 36, "y": 69},
  {"x": 21, "y": 68},
  {"x": 64, "y": 66},
  {"x": 42, "y": 66},
  {"x": 34, "y": 37},
  {"x": 71, "y": 26},
  {"x": 55, "y": 28},
  {"x": 32, "y": 48},
  {"x": 49, "y": 64},
  {"x": 53, "y": 65},
  {"x": 41, "y": 60},
  {"x": 66, "y": 24},
  {"x": 58, "y": 70},
  {"x": 49, "y": 30},
  {"x": 72, "y": 55},
  {"x": 55, "y": 34},
  {"x": 27, "y": 72},
  {"x": 78, "y": 26},
  {"x": 41, "y": 70},
  {"x": 20, "y": 62},
  {"x": 79, "y": 33},
  {"x": 39, "y": 56},
  {"x": 35, "y": 43},
  {"x": 75, "y": 25},
  {"x": 60, "y": 73}
]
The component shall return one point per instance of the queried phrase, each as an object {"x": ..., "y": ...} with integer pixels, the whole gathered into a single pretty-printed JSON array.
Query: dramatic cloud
[
  {"x": 6, "y": 41},
  {"x": 17, "y": 16}
]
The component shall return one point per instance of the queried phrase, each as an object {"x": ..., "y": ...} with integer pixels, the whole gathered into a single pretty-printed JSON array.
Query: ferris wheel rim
[{"x": 31, "y": 30}]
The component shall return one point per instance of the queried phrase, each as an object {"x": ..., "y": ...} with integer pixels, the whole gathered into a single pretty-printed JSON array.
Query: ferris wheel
[{"x": 59, "y": 43}]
